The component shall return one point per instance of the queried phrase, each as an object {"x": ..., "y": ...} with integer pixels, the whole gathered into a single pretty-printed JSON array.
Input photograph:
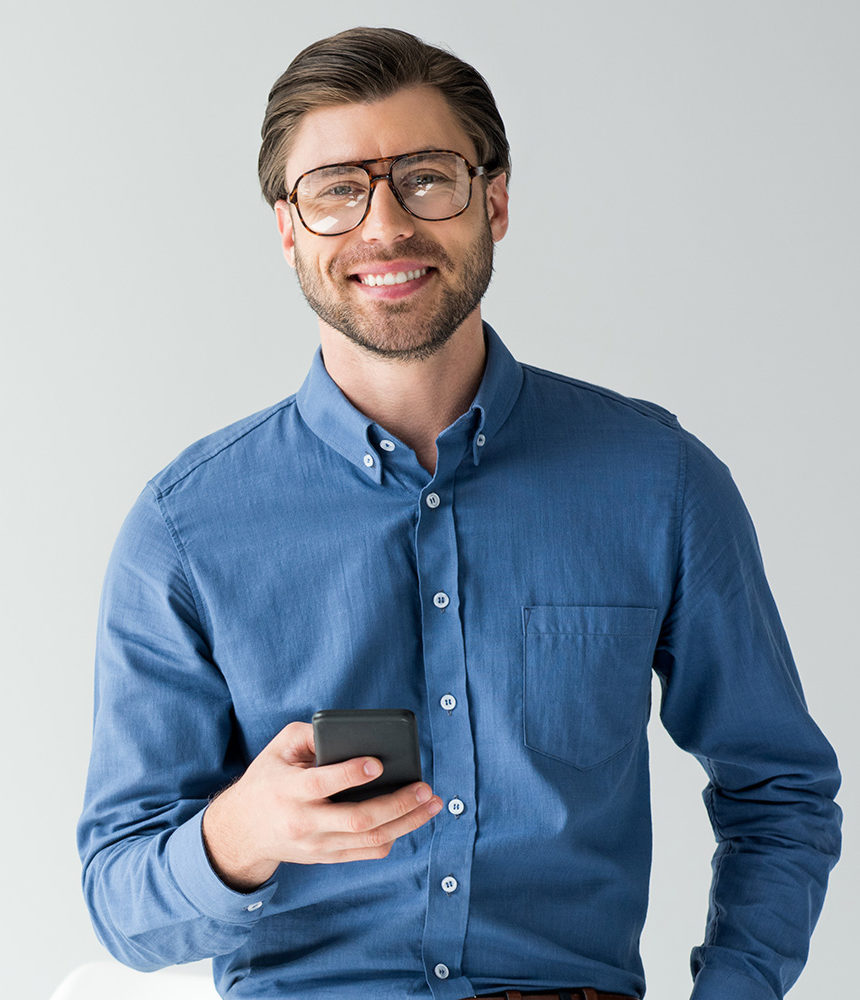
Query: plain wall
[{"x": 684, "y": 228}]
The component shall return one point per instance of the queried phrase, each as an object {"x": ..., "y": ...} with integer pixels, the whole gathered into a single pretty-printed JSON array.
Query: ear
[
  {"x": 284, "y": 218},
  {"x": 497, "y": 206}
]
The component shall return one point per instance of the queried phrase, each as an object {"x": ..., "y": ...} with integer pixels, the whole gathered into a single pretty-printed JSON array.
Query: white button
[
  {"x": 386, "y": 445},
  {"x": 440, "y": 599},
  {"x": 368, "y": 460},
  {"x": 456, "y": 806},
  {"x": 433, "y": 500},
  {"x": 441, "y": 971},
  {"x": 448, "y": 702},
  {"x": 480, "y": 440},
  {"x": 449, "y": 884},
  {"x": 253, "y": 906}
]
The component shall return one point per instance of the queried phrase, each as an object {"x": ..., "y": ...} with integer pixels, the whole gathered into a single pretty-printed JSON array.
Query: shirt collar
[{"x": 334, "y": 420}]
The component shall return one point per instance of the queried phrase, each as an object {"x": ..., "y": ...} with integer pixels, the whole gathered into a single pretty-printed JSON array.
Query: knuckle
[
  {"x": 296, "y": 828},
  {"x": 318, "y": 783},
  {"x": 292, "y": 735},
  {"x": 296, "y": 822},
  {"x": 377, "y": 839},
  {"x": 405, "y": 803},
  {"x": 315, "y": 783},
  {"x": 359, "y": 821},
  {"x": 375, "y": 851}
]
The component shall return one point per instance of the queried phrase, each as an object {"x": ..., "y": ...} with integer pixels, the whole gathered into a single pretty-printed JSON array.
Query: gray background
[{"x": 684, "y": 228}]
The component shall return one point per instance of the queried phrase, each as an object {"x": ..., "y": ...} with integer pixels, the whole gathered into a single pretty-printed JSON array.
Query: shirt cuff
[
  {"x": 196, "y": 878},
  {"x": 718, "y": 984}
]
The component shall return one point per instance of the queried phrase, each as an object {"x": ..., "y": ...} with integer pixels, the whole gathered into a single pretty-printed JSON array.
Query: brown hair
[{"x": 368, "y": 64}]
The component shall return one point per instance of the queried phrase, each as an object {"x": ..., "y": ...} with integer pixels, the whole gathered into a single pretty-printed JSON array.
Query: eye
[
  {"x": 334, "y": 184},
  {"x": 343, "y": 190},
  {"x": 424, "y": 180},
  {"x": 427, "y": 177}
]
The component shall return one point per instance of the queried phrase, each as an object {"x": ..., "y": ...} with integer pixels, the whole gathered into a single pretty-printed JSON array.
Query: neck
[{"x": 413, "y": 400}]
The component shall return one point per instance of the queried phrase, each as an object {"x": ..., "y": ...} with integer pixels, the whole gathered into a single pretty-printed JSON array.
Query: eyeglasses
[{"x": 433, "y": 184}]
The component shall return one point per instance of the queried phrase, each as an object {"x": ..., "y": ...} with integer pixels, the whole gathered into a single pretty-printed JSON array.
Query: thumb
[{"x": 294, "y": 744}]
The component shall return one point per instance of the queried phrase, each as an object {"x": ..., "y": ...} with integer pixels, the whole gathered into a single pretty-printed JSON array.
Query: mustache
[{"x": 419, "y": 247}]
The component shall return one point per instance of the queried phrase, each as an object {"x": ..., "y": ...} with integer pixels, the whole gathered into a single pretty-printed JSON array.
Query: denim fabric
[{"x": 292, "y": 562}]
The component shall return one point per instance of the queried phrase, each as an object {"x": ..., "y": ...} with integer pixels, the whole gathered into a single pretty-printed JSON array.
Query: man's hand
[{"x": 279, "y": 811}]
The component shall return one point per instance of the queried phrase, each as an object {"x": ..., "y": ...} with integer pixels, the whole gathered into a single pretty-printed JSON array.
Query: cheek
[
  {"x": 325, "y": 261},
  {"x": 310, "y": 264}
]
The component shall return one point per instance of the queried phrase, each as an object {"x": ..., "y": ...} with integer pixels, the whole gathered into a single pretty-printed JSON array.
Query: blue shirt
[{"x": 570, "y": 542}]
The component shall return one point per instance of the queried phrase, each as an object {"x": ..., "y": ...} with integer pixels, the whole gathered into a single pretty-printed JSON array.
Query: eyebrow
[{"x": 376, "y": 159}]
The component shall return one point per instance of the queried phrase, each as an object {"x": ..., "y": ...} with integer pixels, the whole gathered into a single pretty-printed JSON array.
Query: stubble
[{"x": 400, "y": 329}]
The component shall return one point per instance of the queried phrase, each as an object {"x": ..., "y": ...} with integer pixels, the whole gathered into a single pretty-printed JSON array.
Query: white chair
[{"x": 112, "y": 981}]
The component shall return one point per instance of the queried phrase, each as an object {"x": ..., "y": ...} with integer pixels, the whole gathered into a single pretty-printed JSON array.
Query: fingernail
[
  {"x": 372, "y": 768},
  {"x": 423, "y": 793},
  {"x": 436, "y": 807}
]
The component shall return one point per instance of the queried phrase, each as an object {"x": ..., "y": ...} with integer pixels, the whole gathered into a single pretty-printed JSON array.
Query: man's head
[
  {"x": 363, "y": 65},
  {"x": 369, "y": 95}
]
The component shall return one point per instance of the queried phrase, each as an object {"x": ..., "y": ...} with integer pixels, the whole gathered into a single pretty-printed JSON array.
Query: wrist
[{"x": 230, "y": 850}]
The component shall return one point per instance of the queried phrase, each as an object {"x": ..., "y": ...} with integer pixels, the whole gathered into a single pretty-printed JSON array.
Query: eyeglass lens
[{"x": 432, "y": 186}]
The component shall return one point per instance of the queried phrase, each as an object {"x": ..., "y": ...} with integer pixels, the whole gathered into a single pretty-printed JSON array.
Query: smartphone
[{"x": 387, "y": 733}]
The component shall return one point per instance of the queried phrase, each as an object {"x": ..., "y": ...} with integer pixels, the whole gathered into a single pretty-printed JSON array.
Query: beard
[{"x": 400, "y": 330}]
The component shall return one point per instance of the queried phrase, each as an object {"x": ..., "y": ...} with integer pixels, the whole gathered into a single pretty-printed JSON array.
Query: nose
[{"x": 387, "y": 221}]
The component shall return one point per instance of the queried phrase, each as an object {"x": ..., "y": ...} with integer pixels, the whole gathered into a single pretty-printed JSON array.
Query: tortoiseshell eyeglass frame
[{"x": 374, "y": 179}]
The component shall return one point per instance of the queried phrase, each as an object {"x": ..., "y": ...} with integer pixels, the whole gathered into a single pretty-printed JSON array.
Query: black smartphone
[{"x": 387, "y": 733}]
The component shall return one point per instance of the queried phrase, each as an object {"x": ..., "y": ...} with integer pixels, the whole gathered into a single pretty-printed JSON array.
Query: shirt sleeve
[
  {"x": 161, "y": 747},
  {"x": 732, "y": 697}
]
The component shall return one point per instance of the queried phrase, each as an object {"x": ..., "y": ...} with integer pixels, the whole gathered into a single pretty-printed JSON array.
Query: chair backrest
[{"x": 112, "y": 981}]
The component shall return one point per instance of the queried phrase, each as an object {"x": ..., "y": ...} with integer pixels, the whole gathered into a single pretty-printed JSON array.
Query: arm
[
  {"x": 732, "y": 697},
  {"x": 163, "y": 745}
]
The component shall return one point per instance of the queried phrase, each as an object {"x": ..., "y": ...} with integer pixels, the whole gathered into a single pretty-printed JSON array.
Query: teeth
[{"x": 393, "y": 277}]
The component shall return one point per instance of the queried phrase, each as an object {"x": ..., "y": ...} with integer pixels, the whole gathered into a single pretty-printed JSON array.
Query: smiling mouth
[{"x": 391, "y": 277}]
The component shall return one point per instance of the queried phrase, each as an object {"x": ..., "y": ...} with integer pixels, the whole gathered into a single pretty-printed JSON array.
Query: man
[{"x": 428, "y": 524}]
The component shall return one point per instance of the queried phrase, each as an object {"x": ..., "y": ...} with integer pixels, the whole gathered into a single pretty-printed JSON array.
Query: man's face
[{"x": 408, "y": 320}]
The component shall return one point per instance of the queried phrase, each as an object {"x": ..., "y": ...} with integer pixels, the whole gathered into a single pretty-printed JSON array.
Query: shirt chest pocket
[{"x": 587, "y": 679}]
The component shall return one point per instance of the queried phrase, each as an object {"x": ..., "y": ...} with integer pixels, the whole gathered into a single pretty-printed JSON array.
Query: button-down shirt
[{"x": 570, "y": 542}]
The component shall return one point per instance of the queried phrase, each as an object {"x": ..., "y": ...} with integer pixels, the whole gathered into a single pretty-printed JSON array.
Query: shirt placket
[{"x": 450, "y": 862}]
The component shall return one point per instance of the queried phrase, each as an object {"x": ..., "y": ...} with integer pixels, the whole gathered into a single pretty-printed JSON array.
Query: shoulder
[
  {"x": 638, "y": 428},
  {"x": 596, "y": 399},
  {"x": 225, "y": 451}
]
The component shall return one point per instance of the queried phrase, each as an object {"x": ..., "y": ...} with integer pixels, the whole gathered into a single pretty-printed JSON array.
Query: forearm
[
  {"x": 155, "y": 900},
  {"x": 766, "y": 895}
]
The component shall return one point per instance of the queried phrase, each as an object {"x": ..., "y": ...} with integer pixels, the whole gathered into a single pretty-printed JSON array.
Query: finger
[
  {"x": 294, "y": 743},
  {"x": 378, "y": 837},
  {"x": 361, "y": 854},
  {"x": 361, "y": 817},
  {"x": 321, "y": 782}
]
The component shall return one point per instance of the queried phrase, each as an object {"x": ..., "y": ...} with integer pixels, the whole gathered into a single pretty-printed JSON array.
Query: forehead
[{"x": 410, "y": 119}]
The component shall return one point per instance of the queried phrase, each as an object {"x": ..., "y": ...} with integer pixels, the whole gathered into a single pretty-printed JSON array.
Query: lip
[
  {"x": 394, "y": 291},
  {"x": 387, "y": 266},
  {"x": 393, "y": 267}
]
